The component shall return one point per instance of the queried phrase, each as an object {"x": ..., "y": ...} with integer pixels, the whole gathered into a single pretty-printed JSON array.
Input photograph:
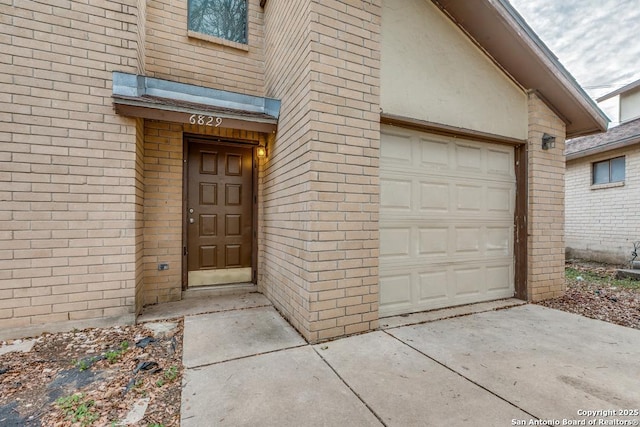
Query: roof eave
[
  {"x": 614, "y": 145},
  {"x": 620, "y": 91}
]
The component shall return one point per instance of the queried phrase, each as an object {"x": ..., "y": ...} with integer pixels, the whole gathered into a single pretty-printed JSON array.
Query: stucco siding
[
  {"x": 602, "y": 221},
  {"x": 432, "y": 71},
  {"x": 630, "y": 105}
]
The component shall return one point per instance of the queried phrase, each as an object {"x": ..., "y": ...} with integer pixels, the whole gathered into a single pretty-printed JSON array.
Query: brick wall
[
  {"x": 283, "y": 176},
  {"x": 173, "y": 55},
  {"x": 139, "y": 214},
  {"x": 67, "y": 216},
  {"x": 162, "y": 211},
  {"x": 545, "y": 276},
  {"x": 602, "y": 221},
  {"x": 141, "y": 32},
  {"x": 319, "y": 242}
]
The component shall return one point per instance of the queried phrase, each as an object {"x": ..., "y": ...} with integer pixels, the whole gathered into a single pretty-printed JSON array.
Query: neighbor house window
[
  {"x": 611, "y": 170},
  {"x": 225, "y": 19}
]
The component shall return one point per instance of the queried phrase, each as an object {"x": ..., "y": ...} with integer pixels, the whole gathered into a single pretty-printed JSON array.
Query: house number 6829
[{"x": 202, "y": 120}]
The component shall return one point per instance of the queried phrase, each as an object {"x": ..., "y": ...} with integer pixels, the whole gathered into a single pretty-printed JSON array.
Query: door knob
[{"x": 191, "y": 220}]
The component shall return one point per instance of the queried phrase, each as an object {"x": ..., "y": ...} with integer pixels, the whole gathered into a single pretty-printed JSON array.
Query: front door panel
[{"x": 219, "y": 214}]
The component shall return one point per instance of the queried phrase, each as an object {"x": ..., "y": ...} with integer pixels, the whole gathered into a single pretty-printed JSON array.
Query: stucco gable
[
  {"x": 432, "y": 71},
  {"x": 501, "y": 32}
]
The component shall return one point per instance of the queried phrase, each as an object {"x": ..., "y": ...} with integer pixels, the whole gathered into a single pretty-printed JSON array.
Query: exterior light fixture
[
  {"x": 261, "y": 152},
  {"x": 548, "y": 141}
]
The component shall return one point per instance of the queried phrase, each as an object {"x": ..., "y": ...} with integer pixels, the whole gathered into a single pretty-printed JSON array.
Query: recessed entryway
[{"x": 219, "y": 213}]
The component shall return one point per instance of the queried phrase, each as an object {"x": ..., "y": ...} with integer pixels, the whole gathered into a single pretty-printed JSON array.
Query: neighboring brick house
[
  {"x": 348, "y": 159},
  {"x": 603, "y": 186}
]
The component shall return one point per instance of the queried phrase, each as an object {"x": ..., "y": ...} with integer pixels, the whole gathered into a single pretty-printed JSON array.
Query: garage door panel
[
  {"x": 468, "y": 240},
  {"x": 398, "y": 293},
  {"x": 422, "y": 172},
  {"x": 467, "y": 280},
  {"x": 446, "y": 221},
  {"x": 398, "y": 150},
  {"x": 397, "y": 266},
  {"x": 468, "y": 158},
  {"x": 397, "y": 242},
  {"x": 433, "y": 241},
  {"x": 499, "y": 277},
  {"x": 395, "y": 194},
  {"x": 434, "y": 154},
  {"x": 499, "y": 241},
  {"x": 501, "y": 200},
  {"x": 434, "y": 196},
  {"x": 395, "y": 290},
  {"x": 469, "y": 198},
  {"x": 433, "y": 287},
  {"x": 500, "y": 162}
]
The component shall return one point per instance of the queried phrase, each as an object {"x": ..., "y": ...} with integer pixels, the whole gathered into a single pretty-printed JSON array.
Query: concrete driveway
[{"x": 247, "y": 366}]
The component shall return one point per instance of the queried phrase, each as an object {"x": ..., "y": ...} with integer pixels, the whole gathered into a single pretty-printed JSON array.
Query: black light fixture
[{"x": 548, "y": 141}]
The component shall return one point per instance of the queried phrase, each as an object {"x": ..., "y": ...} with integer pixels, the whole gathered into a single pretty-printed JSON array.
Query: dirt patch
[
  {"x": 93, "y": 377},
  {"x": 594, "y": 291}
]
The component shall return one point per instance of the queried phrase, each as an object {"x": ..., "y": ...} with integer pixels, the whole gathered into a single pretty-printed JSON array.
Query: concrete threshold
[
  {"x": 446, "y": 313},
  {"x": 203, "y": 304},
  {"x": 218, "y": 290}
]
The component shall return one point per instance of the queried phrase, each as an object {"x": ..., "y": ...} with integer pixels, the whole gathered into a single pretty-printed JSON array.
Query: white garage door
[{"x": 446, "y": 221}]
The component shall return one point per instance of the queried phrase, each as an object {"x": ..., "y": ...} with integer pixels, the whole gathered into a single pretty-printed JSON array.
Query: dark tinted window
[{"x": 226, "y": 19}]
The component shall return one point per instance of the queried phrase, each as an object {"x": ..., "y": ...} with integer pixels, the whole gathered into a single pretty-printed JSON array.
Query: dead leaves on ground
[
  {"x": 594, "y": 296},
  {"x": 98, "y": 367}
]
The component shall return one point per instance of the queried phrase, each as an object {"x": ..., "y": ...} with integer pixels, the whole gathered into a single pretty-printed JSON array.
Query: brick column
[
  {"x": 545, "y": 277},
  {"x": 346, "y": 141},
  {"x": 320, "y": 183}
]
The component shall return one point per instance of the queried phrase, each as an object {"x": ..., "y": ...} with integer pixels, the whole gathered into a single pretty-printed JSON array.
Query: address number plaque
[{"x": 204, "y": 120}]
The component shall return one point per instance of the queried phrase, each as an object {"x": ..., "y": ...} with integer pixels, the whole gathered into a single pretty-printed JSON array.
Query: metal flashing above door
[{"x": 157, "y": 99}]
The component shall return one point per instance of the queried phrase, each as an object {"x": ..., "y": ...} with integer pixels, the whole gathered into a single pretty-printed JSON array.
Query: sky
[{"x": 597, "y": 41}]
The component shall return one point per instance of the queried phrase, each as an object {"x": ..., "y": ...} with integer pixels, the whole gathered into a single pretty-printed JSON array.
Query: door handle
[{"x": 191, "y": 220}]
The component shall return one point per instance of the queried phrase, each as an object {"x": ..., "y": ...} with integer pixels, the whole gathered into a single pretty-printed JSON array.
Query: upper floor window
[
  {"x": 611, "y": 170},
  {"x": 225, "y": 19}
]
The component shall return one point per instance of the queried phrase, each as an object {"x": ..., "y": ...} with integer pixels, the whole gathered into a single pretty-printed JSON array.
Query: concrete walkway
[{"x": 246, "y": 366}]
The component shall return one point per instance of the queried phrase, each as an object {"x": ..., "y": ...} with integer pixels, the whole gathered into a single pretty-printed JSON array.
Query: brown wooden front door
[{"x": 219, "y": 214}]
